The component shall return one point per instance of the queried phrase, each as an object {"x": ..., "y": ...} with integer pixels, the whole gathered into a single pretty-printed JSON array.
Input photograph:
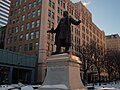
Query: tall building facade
[
  {"x": 113, "y": 42},
  {"x": 30, "y": 19},
  {"x": 2, "y": 36},
  {"x": 4, "y": 12}
]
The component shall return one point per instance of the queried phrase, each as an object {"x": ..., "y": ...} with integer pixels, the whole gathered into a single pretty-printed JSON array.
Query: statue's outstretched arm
[{"x": 74, "y": 21}]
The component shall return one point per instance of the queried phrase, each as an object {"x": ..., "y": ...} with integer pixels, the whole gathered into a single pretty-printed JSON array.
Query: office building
[
  {"x": 30, "y": 19},
  {"x": 4, "y": 12},
  {"x": 113, "y": 42}
]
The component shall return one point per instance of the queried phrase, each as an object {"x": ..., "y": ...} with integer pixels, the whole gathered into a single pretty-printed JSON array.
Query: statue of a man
[{"x": 63, "y": 33}]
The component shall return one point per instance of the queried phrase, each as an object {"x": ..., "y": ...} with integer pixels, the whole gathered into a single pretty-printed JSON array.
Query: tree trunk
[
  {"x": 119, "y": 75},
  {"x": 109, "y": 77},
  {"x": 99, "y": 76}
]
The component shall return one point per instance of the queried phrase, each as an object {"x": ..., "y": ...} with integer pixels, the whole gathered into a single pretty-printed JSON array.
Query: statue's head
[{"x": 65, "y": 13}]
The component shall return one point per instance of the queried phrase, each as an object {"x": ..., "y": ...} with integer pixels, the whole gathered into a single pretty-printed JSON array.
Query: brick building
[{"x": 113, "y": 42}]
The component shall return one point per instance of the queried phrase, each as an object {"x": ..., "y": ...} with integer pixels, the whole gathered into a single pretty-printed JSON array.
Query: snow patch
[{"x": 59, "y": 86}]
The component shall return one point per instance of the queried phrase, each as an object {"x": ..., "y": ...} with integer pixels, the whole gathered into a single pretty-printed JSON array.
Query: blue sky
[{"x": 106, "y": 15}]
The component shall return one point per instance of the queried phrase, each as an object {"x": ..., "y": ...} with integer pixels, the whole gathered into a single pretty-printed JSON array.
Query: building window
[
  {"x": 28, "y": 26},
  {"x": 16, "y": 4},
  {"x": 25, "y": 0},
  {"x": 32, "y": 35},
  {"x": 36, "y": 46},
  {"x": 19, "y": 11},
  {"x": 61, "y": 12},
  {"x": 28, "y": 16},
  {"x": 38, "y": 23},
  {"x": 59, "y": 2},
  {"x": 13, "y": 21},
  {"x": 58, "y": 10},
  {"x": 30, "y": 46},
  {"x": 53, "y": 15},
  {"x": 16, "y": 29},
  {"x": 27, "y": 36},
  {"x": 34, "y": 4},
  {"x": 23, "y": 17},
  {"x": 58, "y": 19},
  {"x": 17, "y": 19},
  {"x": 63, "y": 5},
  {"x": 51, "y": 37},
  {"x": 15, "y": 38},
  {"x": 26, "y": 47},
  {"x": 49, "y": 13},
  {"x": 24, "y": 8},
  {"x": 33, "y": 14},
  {"x": 50, "y": 3},
  {"x": 52, "y": 24},
  {"x": 22, "y": 28},
  {"x": 21, "y": 37},
  {"x": 49, "y": 23},
  {"x": 20, "y": 1},
  {"x": 37, "y": 34},
  {"x": 33, "y": 24},
  {"x": 29, "y": 6},
  {"x": 20, "y": 48},
  {"x": 53, "y": 5},
  {"x": 38, "y": 13},
  {"x": 39, "y": 2}
]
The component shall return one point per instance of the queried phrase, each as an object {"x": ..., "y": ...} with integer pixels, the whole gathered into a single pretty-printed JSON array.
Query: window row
[
  {"x": 23, "y": 17},
  {"x": 77, "y": 40},
  {"x": 50, "y": 24},
  {"x": 26, "y": 47},
  {"x": 30, "y": 5},
  {"x": 27, "y": 36},
  {"x": 20, "y": 2},
  {"x": 60, "y": 11},
  {"x": 51, "y": 4},
  {"x": 51, "y": 14},
  {"x": 50, "y": 37},
  {"x": 61, "y": 3},
  {"x": 75, "y": 47},
  {"x": 77, "y": 32},
  {"x": 22, "y": 28}
]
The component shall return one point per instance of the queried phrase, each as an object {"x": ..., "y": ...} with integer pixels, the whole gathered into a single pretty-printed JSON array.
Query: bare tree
[
  {"x": 92, "y": 54},
  {"x": 85, "y": 57},
  {"x": 112, "y": 63},
  {"x": 97, "y": 57},
  {"x": 116, "y": 55},
  {"x": 109, "y": 63}
]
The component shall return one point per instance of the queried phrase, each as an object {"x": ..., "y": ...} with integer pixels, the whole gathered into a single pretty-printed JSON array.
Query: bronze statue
[{"x": 63, "y": 33}]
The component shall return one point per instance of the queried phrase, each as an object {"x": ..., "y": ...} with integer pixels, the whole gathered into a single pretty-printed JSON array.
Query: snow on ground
[
  {"x": 59, "y": 86},
  {"x": 20, "y": 86},
  {"x": 107, "y": 86}
]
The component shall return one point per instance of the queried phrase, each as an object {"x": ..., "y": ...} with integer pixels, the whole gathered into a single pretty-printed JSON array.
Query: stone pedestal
[{"x": 63, "y": 73}]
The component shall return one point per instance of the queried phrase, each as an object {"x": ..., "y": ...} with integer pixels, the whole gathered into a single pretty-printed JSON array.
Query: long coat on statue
[{"x": 63, "y": 31}]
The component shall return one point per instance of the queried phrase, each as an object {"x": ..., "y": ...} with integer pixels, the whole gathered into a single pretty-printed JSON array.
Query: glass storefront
[
  {"x": 4, "y": 75},
  {"x": 21, "y": 75}
]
